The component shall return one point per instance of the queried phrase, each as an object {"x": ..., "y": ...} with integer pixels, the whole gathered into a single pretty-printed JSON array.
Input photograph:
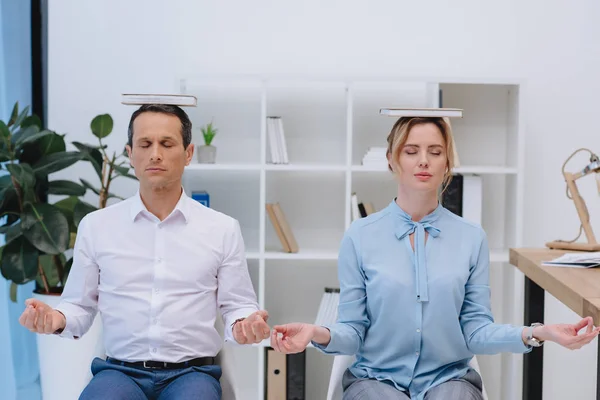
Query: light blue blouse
[{"x": 416, "y": 318}]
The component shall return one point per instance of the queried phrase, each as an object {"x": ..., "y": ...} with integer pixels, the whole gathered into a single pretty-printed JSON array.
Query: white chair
[{"x": 341, "y": 363}]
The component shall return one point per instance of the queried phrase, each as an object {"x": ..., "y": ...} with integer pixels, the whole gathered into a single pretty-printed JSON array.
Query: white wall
[{"x": 101, "y": 49}]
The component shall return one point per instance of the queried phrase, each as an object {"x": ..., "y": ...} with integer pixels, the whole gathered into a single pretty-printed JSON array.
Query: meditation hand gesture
[
  {"x": 295, "y": 337},
  {"x": 568, "y": 335},
  {"x": 39, "y": 317}
]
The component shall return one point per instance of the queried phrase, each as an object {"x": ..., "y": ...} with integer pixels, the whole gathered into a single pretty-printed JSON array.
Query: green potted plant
[
  {"x": 107, "y": 167},
  {"x": 37, "y": 234},
  {"x": 70, "y": 379},
  {"x": 207, "y": 153}
]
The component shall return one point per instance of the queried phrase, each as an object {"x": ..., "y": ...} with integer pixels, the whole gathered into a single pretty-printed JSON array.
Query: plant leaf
[
  {"x": 88, "y": 185},
  {"x": 14, "y": 114},
  {"x": 52, "y": 144},
  {"x": 7, "y": 194},
  {"x": 66, "y": 188},
  {"x": 23, "y": 174},
  {"x": 49, "y": 268},
  {"x": 21, "y": 118},
  {"x": 32, "y": 120},
  {"x": 93, "y": 155},
  {"x": 102, "y": 125},
  {"x": 31, "y": 135},
  {"x": 46, "y": 227},
  {"x": 67, "y": 206},
  {"x": 124, "y": 171},
  {"x": 23, "y": 132},
  {"x": 81, "y": 210},
  {"x": 13, "y": 292},
  {"x": 13, "y": 232},
  {"x": 19, "y": 261},
  {"x": 56, "y": 162},
  {"x": 4, "y": 131},
  {"x": 4, "y": 156}
]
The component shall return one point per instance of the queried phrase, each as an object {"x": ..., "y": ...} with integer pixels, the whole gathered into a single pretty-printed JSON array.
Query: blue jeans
[{"x": 115, "y": 382}]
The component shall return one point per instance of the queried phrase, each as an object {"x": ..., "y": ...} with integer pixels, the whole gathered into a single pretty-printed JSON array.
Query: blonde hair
[{"x": 399, "y": 135}]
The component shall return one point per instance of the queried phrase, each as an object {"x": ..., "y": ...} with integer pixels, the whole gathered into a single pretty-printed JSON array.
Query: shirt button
[
  {"x": 154, "y": 350},
  {"x": 159, "y": 259},
  {"x": 418, "y": 330},
  {"x": 156, "y": 290},
  {"x": 416, "y": 352}
]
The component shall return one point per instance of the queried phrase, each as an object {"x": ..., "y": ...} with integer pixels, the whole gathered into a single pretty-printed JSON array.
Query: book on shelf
[
  {"x": 375, "y": 157},
  {"x": 575, "y": 260},
  {"x": 360, "y": 209},
  {"x": 282, "y": 228},
  {"x": 277, "y": 143},
  {"x": 181, "y": 100},
  {"x": 464, "y": 197},
  {"x": 421, "y": 112},
  {"x": 202, "y": 197},
  {"x": 327, "y": 312}
]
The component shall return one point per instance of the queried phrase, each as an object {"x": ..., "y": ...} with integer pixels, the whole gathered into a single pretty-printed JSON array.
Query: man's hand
[
  {"x": 39, "y": 317},
  {"x": 252, "y": 329}
]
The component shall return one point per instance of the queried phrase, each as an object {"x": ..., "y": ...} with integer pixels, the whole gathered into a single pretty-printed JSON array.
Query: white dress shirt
[{"x": 158, "y": 284}]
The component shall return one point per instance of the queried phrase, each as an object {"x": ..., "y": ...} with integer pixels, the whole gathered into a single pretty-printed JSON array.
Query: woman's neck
[{"x": 416, "y": 204}]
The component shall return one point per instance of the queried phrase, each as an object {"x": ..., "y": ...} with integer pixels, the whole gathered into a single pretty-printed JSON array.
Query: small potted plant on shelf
[{"x": 207, "y": 153}]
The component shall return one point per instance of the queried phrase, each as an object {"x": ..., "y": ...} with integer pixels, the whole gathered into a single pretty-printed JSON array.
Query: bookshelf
[{"x": 329, "y": 124}]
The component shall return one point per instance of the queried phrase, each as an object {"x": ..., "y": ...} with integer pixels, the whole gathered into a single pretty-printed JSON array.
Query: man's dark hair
[{"x": 186, "y": 124}]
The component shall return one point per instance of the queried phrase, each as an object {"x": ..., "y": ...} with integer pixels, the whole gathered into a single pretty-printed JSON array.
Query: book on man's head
[
  {"x": 181, "y": 100},
  {"x": 421, "y": 112}
]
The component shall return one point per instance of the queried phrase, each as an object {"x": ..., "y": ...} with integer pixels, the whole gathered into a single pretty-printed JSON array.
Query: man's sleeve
[
  {"x": 79, "y": 300},
  {"x": 235, "y": 295}
]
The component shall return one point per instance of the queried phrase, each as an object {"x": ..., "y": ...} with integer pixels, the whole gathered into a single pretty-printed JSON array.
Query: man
[{"x": 156, "y": 266}]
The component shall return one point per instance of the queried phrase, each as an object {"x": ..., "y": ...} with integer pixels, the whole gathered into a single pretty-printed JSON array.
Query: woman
[{"x": 414, "y": 294}]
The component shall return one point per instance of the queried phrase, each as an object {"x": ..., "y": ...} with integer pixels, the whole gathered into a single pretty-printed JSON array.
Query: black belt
[{"x": 196, "y": 362}]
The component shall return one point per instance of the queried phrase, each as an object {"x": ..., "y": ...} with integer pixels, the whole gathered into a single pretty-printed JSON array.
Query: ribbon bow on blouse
[{"x": 407, "y": 226}]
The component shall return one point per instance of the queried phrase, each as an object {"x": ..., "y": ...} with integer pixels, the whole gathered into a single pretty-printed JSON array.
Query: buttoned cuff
[
  {"x": 70, "y": 330},
  {"x": 231, "y": 318}
]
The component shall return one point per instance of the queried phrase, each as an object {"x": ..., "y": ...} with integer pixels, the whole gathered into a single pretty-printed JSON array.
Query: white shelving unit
[{"x": 329, "y": 124}]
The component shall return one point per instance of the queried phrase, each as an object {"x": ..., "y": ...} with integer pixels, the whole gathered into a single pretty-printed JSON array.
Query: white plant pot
[
  {"x": 65, "y": 363},
  {"x": 207, "y": 154}
]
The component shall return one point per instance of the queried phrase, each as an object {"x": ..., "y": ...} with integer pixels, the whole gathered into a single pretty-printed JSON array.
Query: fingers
[
  {"x": 587, "y": 321},
  {"x": 29, "y": 317},
  {"x": 238, "y": 333},
  {"x": 48, "y": 323},
  {"x": 263, "y": 314},
  {"x": 581, "y": 340},
  {"x": 260, "y": 329},
  {"x": 280, "y": 329},
  {"x": 282, "y": 344},
  {"x": 275, "y": 343}
]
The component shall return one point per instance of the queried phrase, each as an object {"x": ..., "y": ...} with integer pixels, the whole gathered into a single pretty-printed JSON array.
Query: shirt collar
[
  {"x": 182, "y": 206},
  {"x": 395, "y": 209}
]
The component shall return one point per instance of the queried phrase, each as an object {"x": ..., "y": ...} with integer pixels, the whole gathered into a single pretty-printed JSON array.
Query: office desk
[{"x": 578, "y": 289}]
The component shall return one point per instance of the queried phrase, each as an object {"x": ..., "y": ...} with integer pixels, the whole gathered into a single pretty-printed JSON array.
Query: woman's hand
[
  {"x": 294, "y": 338},
  {"x": 568, "y": 335}
]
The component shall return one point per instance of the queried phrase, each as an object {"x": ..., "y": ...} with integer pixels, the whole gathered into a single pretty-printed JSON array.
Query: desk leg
[{"x": 533, "y": 362}]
